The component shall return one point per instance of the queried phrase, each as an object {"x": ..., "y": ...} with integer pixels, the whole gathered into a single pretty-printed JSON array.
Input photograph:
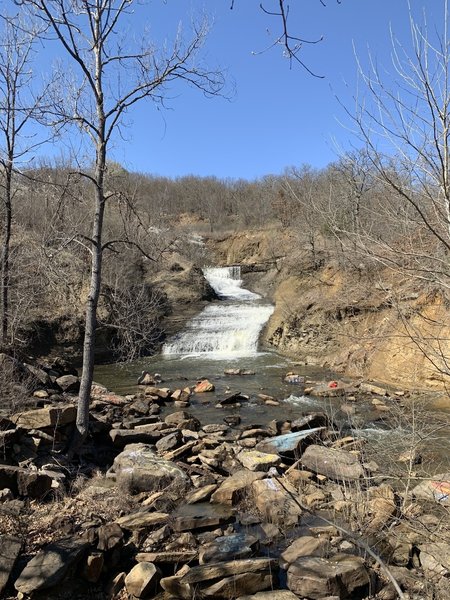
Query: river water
[{"x": 225, "y": 335}]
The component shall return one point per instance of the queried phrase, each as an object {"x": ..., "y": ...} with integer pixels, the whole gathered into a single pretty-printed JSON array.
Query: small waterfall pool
[{"x": 227, "y": 329}]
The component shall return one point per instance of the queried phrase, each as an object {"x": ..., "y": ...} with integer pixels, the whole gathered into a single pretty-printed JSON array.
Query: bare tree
[
  {"x": 19, "y": 107},
  {"x": 110, "y": 76},
  {"x": 403, "y": 121}
]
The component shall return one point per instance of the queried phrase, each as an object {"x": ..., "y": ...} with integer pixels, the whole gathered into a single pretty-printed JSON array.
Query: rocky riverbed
[{"x": 162, "y": 505}]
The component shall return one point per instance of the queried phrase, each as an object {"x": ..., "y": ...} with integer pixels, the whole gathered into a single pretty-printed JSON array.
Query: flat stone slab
[
  {"x": 50, "y": 416},
  {"x": 10, "y": 547},
  {"x": 272, "y": 595},
  {"x": 166, "y": 556},
  {"x": 50, "y": 565},
  {"x": 436, "y": 488},
  {"x": 233, "y": 488},
  {"x": 335, "y": 464},
  {"x": 253, "y": 460},
  {"x": 141, "y": 520}
]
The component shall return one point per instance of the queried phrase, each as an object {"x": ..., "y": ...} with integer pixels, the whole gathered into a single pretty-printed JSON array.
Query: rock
[
  {"x": 68, "y": 383},
  {"x": 10, "y": 547},
  {"x": 314, "y": 577},
  {"x": 42, "y": 394},
  {"x": 183, "y": 420},
  {"x": 228, "y": 547},
  {"x": 184, "y": 585},
  {"x": 238, "y": 372},
  {"x": 234, "y": 398},
  {"x": 142, "y": 581},
  {"x": 204, "y": 386},
  {"x": 203, "y": 493},
  {"x": 6, "y": 495},
  {"x": 141, "y": 520},
  {"x": 243, "y": 583},
  {"x": 412, "y": 457},
  {"x": 369, "y": 388},
  {"x": 335, "y": 464},
  {"x": 50, "y": 416},
  {"x": 181, "y": 395},
  {"x": 147, "y": 379},
  {"x": 304, "y": 546},
  {"x": 139, "y": 469},
  {"x": 196, "y": 518},
  {"x": 258, "y": 461},
  {"x": 125, "y": 437},
  {"x": 234, "y": 488},
  {"x": 110, "y": 536},
  {"x": 169, "y": 442},
  {"x": 310, "y": 421},
  {"x": 325, "y": 391},
  {"x": 49, "y": 566},
  {"x": 272, "y": 595},
  {"x": 275, "y": 502},
  {"x": 289, "y": 443},
  {"x": 169, "y": 556},
  {"x": 25, "y": 482},
  {"x": 94, "y": 565}
]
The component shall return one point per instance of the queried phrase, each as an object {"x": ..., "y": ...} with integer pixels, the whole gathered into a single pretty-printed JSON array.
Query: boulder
[
  {"x": 141, "y": 520},
  {"x": 244, "y": 583},
  {"x": 258, "y": 461},
  {"x": 304, "y": 546},
  {"x": 183, "y": 420},
  {"x": 335, "y": 464},
  {"x": 10, "y": 547},
  {"x": 142, "y": 581},
  {"x": 139, "y": 469},
  {"x": 314, "y": 577},
  {"x": 50, "y": 416},
  {"x": 276, "y": 502},
  {"x": 184, "y": 585},
  {"x": 234, "y": 488},
  {"x": 125, "y": 437},
  {"x": 204, "y": 386},
  {"x": 272, "y": 595},
  {"x": 50, "y": 565},
  {"x": 228, "y": 547},
  {"x": 68, "y": 383}
]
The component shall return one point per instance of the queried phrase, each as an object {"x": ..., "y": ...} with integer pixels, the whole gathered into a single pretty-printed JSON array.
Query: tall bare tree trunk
[{"x": 4, "y": 283}]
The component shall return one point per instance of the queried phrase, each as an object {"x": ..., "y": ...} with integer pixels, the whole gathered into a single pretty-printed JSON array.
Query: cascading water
[{"x": 227, "y": 329}]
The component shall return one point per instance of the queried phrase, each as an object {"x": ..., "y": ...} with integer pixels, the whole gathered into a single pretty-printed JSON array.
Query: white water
[{"x": 227, "y": 329}]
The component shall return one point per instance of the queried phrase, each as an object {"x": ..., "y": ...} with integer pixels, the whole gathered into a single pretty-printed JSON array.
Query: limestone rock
[
  {"x": 314, "y": 577},
  {"x": 142, "y": 581},
  {"x": 233, "y": 488},
  {"x": 50, "y": 416},
  {"x": 258, "y": 461},
  {"x": 50, "y": 565},
  {"x": 272, "y": 595},
  {"x": 304, "y": 546},
  {"x": 228, "y": 547},
  {"x": 9, "y": 551},
  {"x": 275, "y": 503},
  {"x": 141, "y": 520},
  {"x": 139, "y": 469},
  {"x": 335, "y": 464},
  {"x": 68, "y": 383}
]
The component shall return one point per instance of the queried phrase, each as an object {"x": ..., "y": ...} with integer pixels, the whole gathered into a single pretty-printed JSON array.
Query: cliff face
[{"x": 374, "y": 324}]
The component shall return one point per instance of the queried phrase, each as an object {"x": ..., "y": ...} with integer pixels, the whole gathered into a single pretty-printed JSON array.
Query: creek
[{"x": 225, "y": 335}]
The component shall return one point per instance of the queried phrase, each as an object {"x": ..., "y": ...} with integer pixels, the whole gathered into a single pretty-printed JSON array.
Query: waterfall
[{"x": 229, "y": 328}]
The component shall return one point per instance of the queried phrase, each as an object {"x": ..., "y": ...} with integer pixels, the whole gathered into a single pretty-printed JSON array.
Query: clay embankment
[{"x": 373, "y": 323}]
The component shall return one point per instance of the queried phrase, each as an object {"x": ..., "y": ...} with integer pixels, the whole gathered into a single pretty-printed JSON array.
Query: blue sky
[{"x": 278, "y": 116}]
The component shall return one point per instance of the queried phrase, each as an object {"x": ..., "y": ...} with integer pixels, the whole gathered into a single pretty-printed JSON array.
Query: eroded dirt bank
[{"x": 369, "y": 322}]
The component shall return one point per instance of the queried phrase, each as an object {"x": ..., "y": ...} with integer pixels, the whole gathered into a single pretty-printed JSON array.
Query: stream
[{"x": 225, "y": 335}]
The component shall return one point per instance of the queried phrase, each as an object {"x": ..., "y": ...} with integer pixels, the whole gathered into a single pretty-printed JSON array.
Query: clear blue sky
[{"x": 278, "y": 116}]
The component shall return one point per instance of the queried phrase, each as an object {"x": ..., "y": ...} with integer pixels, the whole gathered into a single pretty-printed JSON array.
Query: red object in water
[{"x": 333, "y": 384}]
